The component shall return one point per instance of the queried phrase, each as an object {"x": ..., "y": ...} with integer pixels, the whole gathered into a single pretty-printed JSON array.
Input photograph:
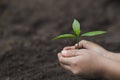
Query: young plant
[{"x": 77, "y": 32}]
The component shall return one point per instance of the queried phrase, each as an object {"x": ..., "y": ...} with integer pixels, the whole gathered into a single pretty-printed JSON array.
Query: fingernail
[{"x": 64, "y": 52}]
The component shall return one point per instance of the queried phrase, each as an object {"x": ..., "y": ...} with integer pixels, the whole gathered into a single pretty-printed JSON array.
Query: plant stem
[{"x": 77, "y": 41}]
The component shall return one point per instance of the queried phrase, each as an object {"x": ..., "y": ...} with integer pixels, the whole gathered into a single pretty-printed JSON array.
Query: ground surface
[{"x": 27, "y": 26}]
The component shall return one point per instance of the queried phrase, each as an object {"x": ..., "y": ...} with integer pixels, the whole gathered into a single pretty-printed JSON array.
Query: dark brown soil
[{"x": 27, "y": 27}]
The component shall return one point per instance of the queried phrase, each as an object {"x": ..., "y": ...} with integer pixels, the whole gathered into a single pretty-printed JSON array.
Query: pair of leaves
[{"x": 77, "y": 31}]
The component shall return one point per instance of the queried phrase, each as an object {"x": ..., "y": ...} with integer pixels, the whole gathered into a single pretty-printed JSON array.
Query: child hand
[
  {"x": 89, "y": 46},
  {"x": 81, "y": 61},
  {"x": 90, "y": 60}
]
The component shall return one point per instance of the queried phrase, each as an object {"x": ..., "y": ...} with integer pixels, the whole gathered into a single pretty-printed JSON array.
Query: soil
[{"x": 27, "y": 27}]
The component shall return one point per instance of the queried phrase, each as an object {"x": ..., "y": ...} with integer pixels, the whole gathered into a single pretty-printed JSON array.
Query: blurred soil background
[{"x": 27, "y": 27}]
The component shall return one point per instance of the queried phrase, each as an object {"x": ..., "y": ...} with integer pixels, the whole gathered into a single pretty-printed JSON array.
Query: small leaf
[
  {"x": 76, "y": 27},
  {"x": 64, "y": 36},
  {"x": 93, "y": 33}
]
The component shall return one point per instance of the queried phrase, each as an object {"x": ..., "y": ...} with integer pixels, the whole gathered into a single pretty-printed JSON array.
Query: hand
[
  {"x": 83, "y": 61},
  {"x": 96, "y": 48},
  {"x": 91, "y": 59},
  {"x": 89, "y": 46}
]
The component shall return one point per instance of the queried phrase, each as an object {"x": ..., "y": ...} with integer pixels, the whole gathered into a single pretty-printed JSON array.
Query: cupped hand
[
  {"x": 89, "y": 46},
  {"x": 81, "y": 61}
]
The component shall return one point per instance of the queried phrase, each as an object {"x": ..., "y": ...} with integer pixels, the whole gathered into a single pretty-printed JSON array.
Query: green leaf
[
  {"x": 76, "y": 27},
  {"x": 64, "y": 36},
  {"x": 93, "y": 33}
]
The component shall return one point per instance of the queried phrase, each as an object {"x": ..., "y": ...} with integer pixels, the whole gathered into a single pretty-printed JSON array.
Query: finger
[
  {"x": 70, "y": 53},
  {"x": 69, "y": 48},
  {"x": 88, "y": 45},
  {"x": 81, "y": 44},
  {"x": 78, "y": 46},
  {"x": 67, "y": 67},
  {"x": 64, "y": 60}
]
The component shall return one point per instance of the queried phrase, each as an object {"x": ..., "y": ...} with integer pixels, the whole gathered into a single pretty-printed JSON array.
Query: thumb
[
  {"x": 70, "y": 53},
  {"x": 88, "y": 45}
]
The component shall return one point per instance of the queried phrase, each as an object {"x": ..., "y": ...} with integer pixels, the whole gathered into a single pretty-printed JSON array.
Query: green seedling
[{"x": 77, "y": 32}]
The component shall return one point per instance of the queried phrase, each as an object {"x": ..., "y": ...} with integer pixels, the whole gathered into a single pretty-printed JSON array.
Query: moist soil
[{"x": 27, "y": 27}]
